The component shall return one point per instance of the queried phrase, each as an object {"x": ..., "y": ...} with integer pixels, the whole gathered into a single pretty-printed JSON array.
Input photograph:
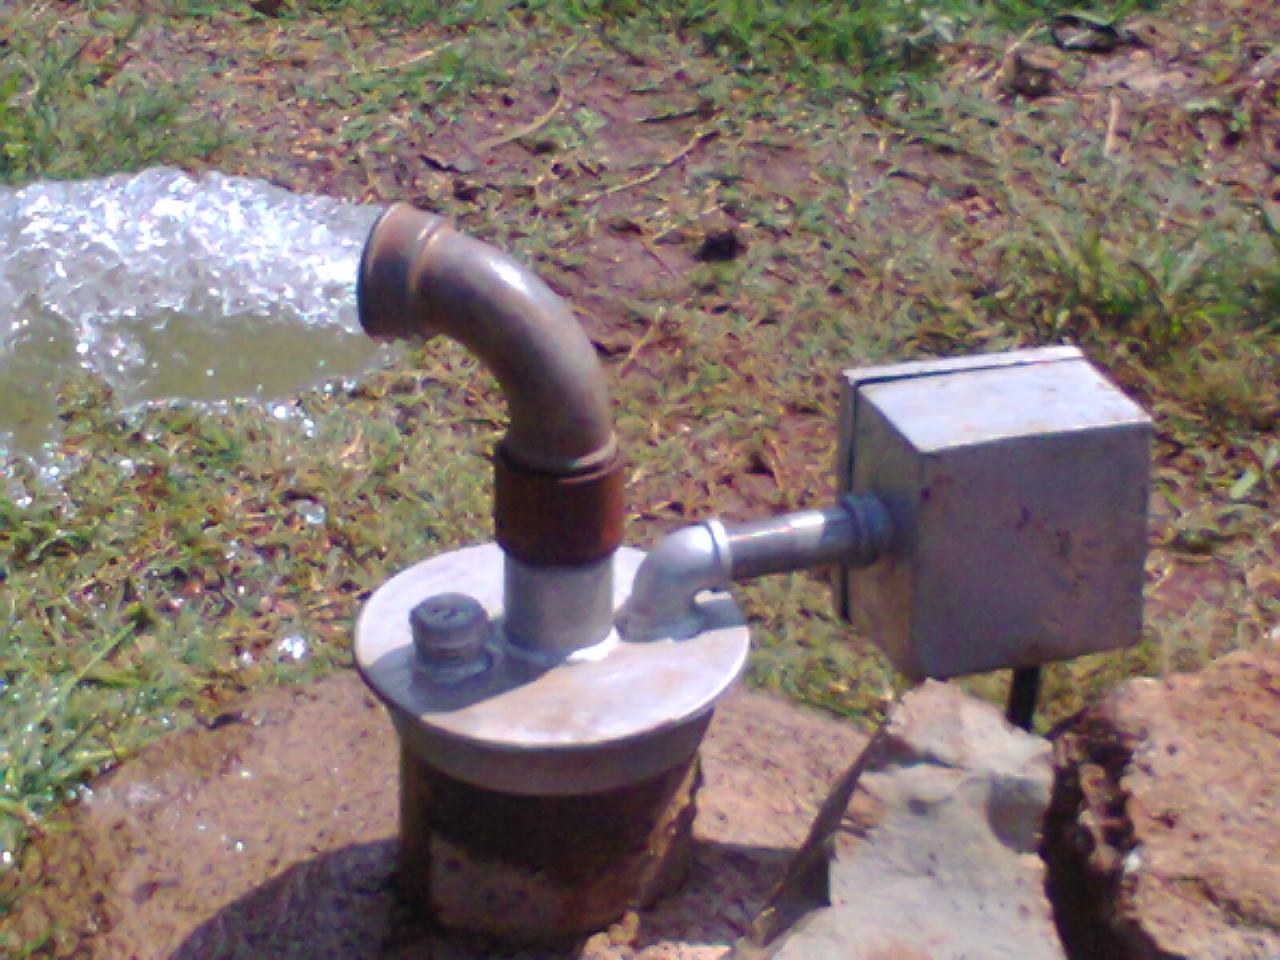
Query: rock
[
  {"x": 1032, "y": 74},
  {"x": 932, "y": 851},
  {"x": 1163, "y": 837},
  {"x": 268, "y": 8}
]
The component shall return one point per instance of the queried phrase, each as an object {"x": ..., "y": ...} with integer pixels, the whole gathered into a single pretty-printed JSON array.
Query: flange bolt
[{"x": 451, "y": 633}]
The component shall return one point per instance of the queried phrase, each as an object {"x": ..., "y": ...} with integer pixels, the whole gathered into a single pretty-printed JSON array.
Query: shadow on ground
[{"x": 345, "y": 904}]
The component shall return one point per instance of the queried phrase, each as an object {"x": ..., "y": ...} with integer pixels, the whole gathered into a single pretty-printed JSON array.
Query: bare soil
[{"x": 274, "y": 834}]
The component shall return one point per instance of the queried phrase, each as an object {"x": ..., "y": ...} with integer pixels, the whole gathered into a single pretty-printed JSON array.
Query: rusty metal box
[{"x": 1017, "y": 484}]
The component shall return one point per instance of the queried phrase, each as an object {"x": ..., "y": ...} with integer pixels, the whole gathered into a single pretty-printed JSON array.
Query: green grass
[
  {"x": 886, "y": 210},
  {"x": 66, "y": 111},
  {"x": 1174, "y": 281},
  {"x": 829, "y": 45},
  {"x": 179, "y": 548},
  {"x": 849, "y": 47}
]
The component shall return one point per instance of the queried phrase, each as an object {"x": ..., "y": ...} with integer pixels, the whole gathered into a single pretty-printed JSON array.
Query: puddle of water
[{"x": 170, "y": 286}]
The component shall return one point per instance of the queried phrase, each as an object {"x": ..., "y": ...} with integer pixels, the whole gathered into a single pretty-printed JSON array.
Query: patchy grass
[
  {"x": 1170, "y": 280},
  {"x": 137, "y": 596},
  {"x": 830, "y": 46},
  {"x": 66, "y": 112},
  {"x": 888, "y": 191}
]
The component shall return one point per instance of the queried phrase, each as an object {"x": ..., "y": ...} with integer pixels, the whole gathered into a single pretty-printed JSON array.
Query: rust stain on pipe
[{"x": 530, "y": 512}]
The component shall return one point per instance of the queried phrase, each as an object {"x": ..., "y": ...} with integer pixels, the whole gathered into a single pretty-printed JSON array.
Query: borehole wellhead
[
  {"x": 558, "y": 476},
  {"x": 548, "y": 765}
]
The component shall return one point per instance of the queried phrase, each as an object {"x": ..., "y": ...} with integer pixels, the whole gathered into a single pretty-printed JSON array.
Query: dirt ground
[{"x": 274, "y": 834}]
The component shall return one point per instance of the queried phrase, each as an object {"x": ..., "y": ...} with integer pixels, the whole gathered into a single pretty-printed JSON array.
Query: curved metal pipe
[
  {"x": 419, "y": 277},
  {"x": 710, "y": 555},
  {"x": 558, "y": 479}
]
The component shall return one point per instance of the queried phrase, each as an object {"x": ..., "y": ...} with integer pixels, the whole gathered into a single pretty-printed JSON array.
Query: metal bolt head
[{"x": 451, "y": 632}]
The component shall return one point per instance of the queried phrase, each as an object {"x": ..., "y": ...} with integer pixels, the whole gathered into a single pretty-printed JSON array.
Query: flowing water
[{"x": 169, "y": 286}]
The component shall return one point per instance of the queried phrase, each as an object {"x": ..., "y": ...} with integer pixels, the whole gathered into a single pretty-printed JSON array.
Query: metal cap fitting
[{"x": 451, "y": 634}]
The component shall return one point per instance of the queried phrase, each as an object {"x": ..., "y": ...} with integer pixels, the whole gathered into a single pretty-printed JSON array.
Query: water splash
[
  {"x": 170, "y": 286},
  {"x": 291, "y": 648}
]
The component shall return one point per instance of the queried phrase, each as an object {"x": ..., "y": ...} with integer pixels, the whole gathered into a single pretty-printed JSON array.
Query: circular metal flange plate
[{"x": 605, "y": 717}]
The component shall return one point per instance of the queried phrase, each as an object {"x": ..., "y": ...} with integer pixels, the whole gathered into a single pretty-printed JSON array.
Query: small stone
[
  {"x": 1148, "y": 82},
  {"x": 1032, "y": 75},
  {"x": 1086, "y": 33},
  {"x": 625, "y": 931},
  {"x": 720, "y": 242}
]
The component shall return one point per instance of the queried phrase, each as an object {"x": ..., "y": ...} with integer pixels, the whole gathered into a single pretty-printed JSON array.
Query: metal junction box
[{"x": 1017, "y": 484}]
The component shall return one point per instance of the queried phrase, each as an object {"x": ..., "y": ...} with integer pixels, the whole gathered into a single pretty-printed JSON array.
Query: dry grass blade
[
  {"x": 701, "y": 136},
  {"x": 526, "y": 129}
]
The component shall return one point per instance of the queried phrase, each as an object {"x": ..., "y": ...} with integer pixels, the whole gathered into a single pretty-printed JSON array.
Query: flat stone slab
[
  {"x": 1164, "y": 839},
  {"x": 930, "y": 850},
  {"x": 274, "y": 835}
]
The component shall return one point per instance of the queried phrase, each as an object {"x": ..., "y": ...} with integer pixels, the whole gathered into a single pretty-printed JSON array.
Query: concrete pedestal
[{"x": 541, "y": 869}]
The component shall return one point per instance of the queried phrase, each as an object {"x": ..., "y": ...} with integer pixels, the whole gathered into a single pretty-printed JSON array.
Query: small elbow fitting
[{"x": 663, "y": 602}]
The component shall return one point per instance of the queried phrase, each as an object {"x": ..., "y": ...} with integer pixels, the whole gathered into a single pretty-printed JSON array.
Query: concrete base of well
[
  {"x": 275, "y": 834},
  {"x": 540, "y": 869}
]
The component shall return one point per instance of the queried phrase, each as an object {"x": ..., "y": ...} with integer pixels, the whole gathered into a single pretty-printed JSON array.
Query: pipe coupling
[{"x": 546, "y": 519}]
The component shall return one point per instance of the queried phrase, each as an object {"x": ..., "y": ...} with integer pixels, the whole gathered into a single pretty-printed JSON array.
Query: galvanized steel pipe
[
  {"x": 558, "y": 499},
  {"x": 710, "y": 555},
  {"x": 854, "y": 532}
]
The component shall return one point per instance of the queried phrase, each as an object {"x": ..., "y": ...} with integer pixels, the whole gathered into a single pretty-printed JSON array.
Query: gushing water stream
[{"x": 170, "y": 286}]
